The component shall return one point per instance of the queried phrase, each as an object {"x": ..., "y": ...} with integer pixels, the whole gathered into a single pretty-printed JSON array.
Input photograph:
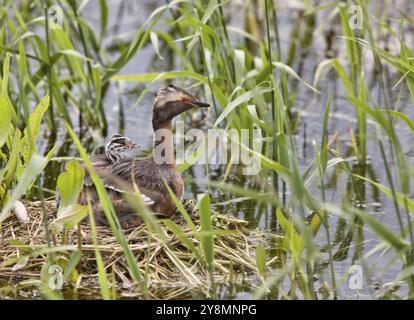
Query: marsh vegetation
[{"x": 327, "y": 84}]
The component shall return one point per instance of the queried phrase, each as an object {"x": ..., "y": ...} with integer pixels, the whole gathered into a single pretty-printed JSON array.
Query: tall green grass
[{"x": 253, "y": 80}]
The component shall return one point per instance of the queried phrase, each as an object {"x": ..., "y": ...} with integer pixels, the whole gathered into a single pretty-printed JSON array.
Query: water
[{"x": 124, "y": 115}]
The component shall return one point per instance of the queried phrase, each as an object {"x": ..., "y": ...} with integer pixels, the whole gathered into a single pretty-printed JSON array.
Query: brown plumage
[{"x": 149, "y": 173}]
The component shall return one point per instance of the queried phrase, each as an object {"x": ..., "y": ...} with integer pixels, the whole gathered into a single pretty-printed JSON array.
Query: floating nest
[{"x": 168, "y": 268}]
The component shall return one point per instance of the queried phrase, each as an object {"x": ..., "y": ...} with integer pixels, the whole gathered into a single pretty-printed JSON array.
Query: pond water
[{"x": 124, "y": 115}]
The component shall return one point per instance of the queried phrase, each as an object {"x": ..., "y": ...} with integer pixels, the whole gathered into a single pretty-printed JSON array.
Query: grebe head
[
  {"x": 116, "y": 147},
  {"x": 170, "y": 101}
]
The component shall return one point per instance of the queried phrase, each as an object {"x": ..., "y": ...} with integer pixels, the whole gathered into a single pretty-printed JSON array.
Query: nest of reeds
[{"x": 169, "y": 268}]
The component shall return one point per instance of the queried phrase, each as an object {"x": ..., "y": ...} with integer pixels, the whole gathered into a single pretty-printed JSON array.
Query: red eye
[{"x": 185, "y": 100}]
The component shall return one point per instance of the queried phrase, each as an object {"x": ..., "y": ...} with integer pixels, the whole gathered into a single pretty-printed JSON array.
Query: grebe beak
[
  {"x": 201, "y": 104},
  {"x": 132, "y": 145}
]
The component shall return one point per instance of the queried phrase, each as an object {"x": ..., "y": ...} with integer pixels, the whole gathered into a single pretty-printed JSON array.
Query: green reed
[{"x": 253, "y": 80}]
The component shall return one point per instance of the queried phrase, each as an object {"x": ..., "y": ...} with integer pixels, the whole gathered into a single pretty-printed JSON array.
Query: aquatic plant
[{"x": 333, "y": 194}]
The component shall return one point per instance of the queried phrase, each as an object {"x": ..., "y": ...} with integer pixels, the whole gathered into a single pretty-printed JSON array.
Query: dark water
[{"x": 124, "y": 115}]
